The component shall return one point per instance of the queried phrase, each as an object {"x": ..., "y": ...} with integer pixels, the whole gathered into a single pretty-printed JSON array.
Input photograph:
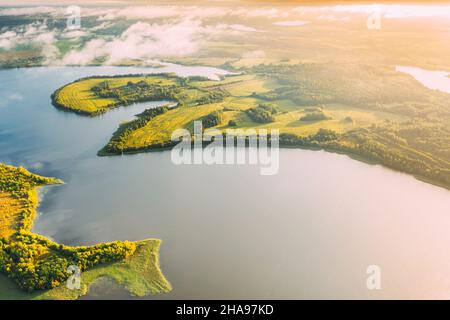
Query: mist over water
[{"x": 309, "y": 232}]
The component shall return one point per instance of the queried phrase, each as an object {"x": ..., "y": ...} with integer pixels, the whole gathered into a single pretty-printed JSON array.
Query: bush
[
  {"x": 348, "y": 120},
  {"x": 232, "y": 123},
  {"x": 263, "y": 113},
  {"x": 315, "y": 116},
  {"x": 211, "y": 120}
]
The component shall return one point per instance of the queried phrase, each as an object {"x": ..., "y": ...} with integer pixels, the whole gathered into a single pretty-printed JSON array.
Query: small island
[{"x": 40, "y": 267}]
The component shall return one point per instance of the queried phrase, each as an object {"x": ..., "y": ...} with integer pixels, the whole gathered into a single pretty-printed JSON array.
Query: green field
[
  {"x": 79, "y": 97},
  {"x": 241, "y": 94}
]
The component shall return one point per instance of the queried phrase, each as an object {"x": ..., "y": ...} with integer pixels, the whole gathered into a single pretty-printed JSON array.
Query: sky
[{"x": 181, "y": 29}]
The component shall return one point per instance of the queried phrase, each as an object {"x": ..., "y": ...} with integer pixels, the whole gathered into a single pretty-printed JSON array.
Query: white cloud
[
  {"x": 331, "y": 17},
  {"x": 29, "y": 11},
  {"x": 45, "y": 38},
  {"x": 261, "y": 12},
  {"x": 93, "y": 49},
  {"x": 143, "y": 12},
  {"x": 6, "y": 44},
  {"x": 415, "y": 11},
  {"x": 140, "y": 12},
  {"x": 35, "y": 28},
  {"x": 7, "y": 40},
  {"x": 243, "y": 28},
  {"x": 75, "y": 34},
  {"x": 390, "y": 11},
  {"x": 8, "y": 34},
  {"x": 144, "y": 40},
  {"x": 153, "y": 40},
  {"x": 181, "y": 34},
  {"x": 182, "y": 11},
  {"x": 206, "y": 12},
  {"x": 235, "y": 28},
  {"x": 256, "y": 54},
  {"x": 36, "y": 33},
  {"x": 101, "y": 26},
  {"x": 292, "y": 23}
]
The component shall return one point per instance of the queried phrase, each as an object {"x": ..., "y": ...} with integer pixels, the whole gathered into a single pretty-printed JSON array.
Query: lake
[
  {"x": 310, "y": 231},
  {"x": 436, "y": 80}
]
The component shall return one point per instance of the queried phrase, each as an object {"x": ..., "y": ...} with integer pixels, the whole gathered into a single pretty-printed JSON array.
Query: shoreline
[
  {"x": 351, "y": 155},
  {"x": 129, "y": 269}
]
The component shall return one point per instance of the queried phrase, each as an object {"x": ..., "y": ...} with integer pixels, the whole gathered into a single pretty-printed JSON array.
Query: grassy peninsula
[
  {"x": 371, "y": 112},
  {"x": 39, "y": 267},
  {"x": 96, "y": 95}
]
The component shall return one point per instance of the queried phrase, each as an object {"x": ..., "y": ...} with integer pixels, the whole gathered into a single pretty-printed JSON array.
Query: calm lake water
[
  {"x": 309, "y": 232},
  {"x": 436, "y": 80}
]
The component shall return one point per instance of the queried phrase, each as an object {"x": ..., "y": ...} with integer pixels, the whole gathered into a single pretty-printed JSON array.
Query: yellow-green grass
[
  {"x": 159, "y": 129},
  {"x": 78, "y": 96},
  {"x": 240, "y": 85},
  {"x": 226, "y": 80},
  {"x": 240, "y": 88},
  {"x": 241, "y": 103},
  {"x": 289, "y": 123},
  {"x": 10, "y": 209},
  {"x": 238, "y": 79},
  {"x": 140, "y": 275},
  {"x": 248, "y": 87}
]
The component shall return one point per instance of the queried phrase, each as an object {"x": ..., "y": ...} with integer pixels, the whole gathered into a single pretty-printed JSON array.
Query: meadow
[
  {"x": 376, "y": 113},
  {"x": 240, "y": 94}
]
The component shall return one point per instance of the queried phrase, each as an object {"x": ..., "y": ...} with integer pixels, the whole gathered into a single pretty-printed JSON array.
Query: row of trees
[
  {"x": 136, "y": 92},
  {"x": 315, "y": 116},
  {"x": 322, "y": 136},
  {"x": 36, "y": 264},
  {"x": 144, "y": 91},
  {"x": 118, "y": 141},
  {"x": 211, "y": 120}
]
